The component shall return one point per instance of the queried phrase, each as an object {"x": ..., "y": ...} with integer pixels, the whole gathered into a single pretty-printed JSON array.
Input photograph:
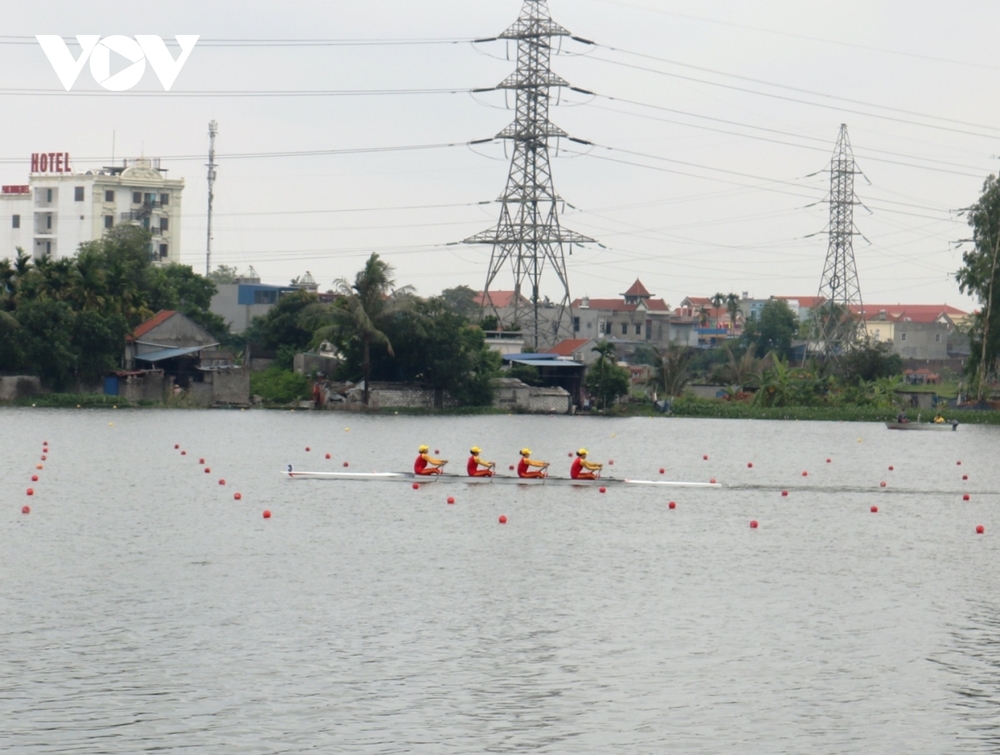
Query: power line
[
  {"x": 233, "y": 93},
  {"x": 8, "y": 39}
]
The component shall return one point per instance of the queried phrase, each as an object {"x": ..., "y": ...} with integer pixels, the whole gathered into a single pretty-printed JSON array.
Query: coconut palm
[
  {"x": 717, "y": 301},
  {"x": 670, "y": 372},
  {"x": 733, "y": 307}
]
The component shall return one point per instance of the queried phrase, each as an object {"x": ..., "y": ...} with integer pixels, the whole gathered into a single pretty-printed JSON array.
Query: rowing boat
[
  {"x": 922, "y": 425},
  {"x": 496, "y": 480}
]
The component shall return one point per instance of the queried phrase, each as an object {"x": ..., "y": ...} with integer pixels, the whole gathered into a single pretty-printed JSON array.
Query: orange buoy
[
  {"x": 753, "y": 524},
  {"x": 237, "y": 496},
  {"x": 672, "y": 505},
  {"x": 965, "y": 497},
  {"x": 874, "y": 509},
  {"x": 222, "y": 482},
  {"x": 26, "y": 509},
  {"x": 662, "y": 470},
  {"x": 784, "y": 494},
  {"x": 267, "y": 514},
  {"x": 34, "y": 478},
  {"x": 603, "y": 489},
  {"x": 451, "y": 500},
  {"x": 328, "y": 456},
  {"x": 980, "y": 529},
  {"x": 882, "y": 484},
  {"x": 31, "y": 491},
  {"x": 416, "y": 486},
  {"x": 39, "y": 466},
  {"x": 503, "y": 519}
]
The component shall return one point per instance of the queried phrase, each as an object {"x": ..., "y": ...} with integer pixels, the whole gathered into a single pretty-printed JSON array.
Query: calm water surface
[{"x": 143, "y": 608}]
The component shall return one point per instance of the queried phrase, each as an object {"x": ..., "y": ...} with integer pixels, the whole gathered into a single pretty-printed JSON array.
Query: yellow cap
[
  {"x": 525, "y": 452},
  {"x": 582, "y": 452},
  {"x": 424, "y": 449},
  {"x": 476, "y": 450}
]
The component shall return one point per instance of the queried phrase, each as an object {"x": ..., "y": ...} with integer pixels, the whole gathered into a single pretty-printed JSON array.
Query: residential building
[
  {"x": 238, "y": 303},
  {"x": 59, "y": 209},
  {"x": 578, "y": 349},
  {"x": 637, "y": 317},
  {"x": 915, "y": 331}
]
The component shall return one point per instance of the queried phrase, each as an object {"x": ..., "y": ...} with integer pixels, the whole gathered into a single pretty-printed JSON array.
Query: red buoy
[
  {"x": 603, "y": 489},
  {"x": 958, "y": 463},
  {"x": 784, "y": 494},
  {"x": 222, "y": 482},
  {"x": 511, "y": 467},
  {"x": 965, "y": 497},
  {"x": 416, "y": 486},
  {"x": 611, "y": 462},
  {"x": 34, "y": 478},
  {"x": 328, "y": 456},
  {"x": 874, "y": 509},
  {"x": 662, "y": 470},
  {"x": 503, "y": 519},
  {"x": 965, "y": 477},
  {"x": 31, "y": 491},
  {"x": 805, "y": 474},
  {"x": 749, "y": 465},
  {"x": 980, "y": 529},
  {"x": 451, "y": 500},
  {"x": 177, "y": 445},
  {"x": 436, "y": 451},
  {"x": 43, "y": 457},
  {"x": 882, "y": 484},
  {"x": 208, "y": 470},
  {"x": 267, "y": 514},
  {"x": 712, "y": 481},
  {"x": 201, "y": 461},
  {"x": 753, "y": 524},
  {"x": 570, "y": 454},
  {"x": 672, "y": 505},
  {"x": 705, "y": 457},
  {"x": 184, "y": 453},
  {"x": 237, "y": 496},
  {"x": 346, "y": 464},
  {"x": 890, "y": 468},
  {"x": 26, "y": 509},
  {"x": 829, "y": 461}
]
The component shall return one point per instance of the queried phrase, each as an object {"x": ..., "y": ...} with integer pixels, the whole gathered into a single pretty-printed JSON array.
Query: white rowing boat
[{"x": 496, "y": 480}]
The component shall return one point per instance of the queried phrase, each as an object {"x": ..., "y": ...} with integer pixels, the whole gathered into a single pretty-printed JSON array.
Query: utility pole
[
  {"x": 528, "y": 236},
  {"x": 213, "y": 129},
  {"x": 836, "y": 328}
]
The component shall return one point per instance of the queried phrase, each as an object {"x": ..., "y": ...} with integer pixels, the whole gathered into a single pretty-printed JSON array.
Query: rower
[
  {"x": 427, "y": 465},
  {"x": 476, "y": 467},
  {"x": 583, "y": 469},
  {"x": 527, "y": 464}
]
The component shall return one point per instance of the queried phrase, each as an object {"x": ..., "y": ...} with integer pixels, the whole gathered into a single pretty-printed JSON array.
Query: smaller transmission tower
[
  {"x": 837, "y": 328},
  {"x": 213, "y": 129},
  {"x": 528, "y": 236}
]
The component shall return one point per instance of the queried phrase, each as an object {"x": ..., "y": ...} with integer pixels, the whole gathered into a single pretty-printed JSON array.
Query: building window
[
  {"x": 15, "y": 221},
  {"x": 145, "y": 223},
  {"x": 136, "y": 197},
  {"x": 624, "y": 328},
  {"x": 164, "y": 224},
  {"x": 149, "y": 199},
  {"x": 109, "y": 195},
  {"x": 48, "y": 221},
  {"x": 109, "y": 221},
  {"x": 902, "y": 336},
  {"x": 638, "y": 330},
  {"x": 48, "y": 195},
  {"x": 265, "y": 297},
  {"x": 576, "y": 324},
  {"x": 163, "y": 251},
  {"x": 78, "y": 194},
  {"x": 48, "y": 248},
  {"x": 164, "y": 199},
  {"x": 937, "y": 338}
]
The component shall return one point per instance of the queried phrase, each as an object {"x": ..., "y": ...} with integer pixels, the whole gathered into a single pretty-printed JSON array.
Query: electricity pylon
[
  {"x": 836, "y": 328},
  {"x": 528, "y": 235}
]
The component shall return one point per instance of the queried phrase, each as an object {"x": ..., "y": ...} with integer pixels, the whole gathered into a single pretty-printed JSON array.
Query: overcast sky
[{"x": 713, "y": 180}]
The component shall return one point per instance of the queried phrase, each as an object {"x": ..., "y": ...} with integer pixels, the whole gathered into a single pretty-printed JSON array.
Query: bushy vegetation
[{"x": 278, "y": 386}]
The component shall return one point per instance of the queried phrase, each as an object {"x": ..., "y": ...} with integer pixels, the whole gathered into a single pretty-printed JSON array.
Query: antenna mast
[
  {"x": 528, "y": 235},
  {"x": 213, "y": 129},
  {"x": 837, "y": 328}
]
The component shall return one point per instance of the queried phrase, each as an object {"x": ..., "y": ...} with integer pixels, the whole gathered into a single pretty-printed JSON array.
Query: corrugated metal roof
[
  {"x": 545, "y": 362},
  {"x": 159, "y": 356}
]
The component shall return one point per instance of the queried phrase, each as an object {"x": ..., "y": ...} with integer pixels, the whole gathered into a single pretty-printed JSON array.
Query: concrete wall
[
  {"x": 148, "y": 387},
  {"x": 919, "y": 340},
  {"x": 549, "y": 401},
  {"x": 512, "y": 394},
  {"x": 226, "y": 304},
  {"x": 403, "y": 395},
  {"x": 19, "y": 386},
  {"x": 307, "y": 364},
  {"x": 230, "y": 386}
]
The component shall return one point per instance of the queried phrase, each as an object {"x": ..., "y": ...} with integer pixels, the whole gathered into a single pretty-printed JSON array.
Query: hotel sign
[{"x": 50, "y": 162}]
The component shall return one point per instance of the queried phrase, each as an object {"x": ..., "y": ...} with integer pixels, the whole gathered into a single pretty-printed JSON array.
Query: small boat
[
  {"x": 952, "y": 425},
  {"x": 496, "y": 480}
]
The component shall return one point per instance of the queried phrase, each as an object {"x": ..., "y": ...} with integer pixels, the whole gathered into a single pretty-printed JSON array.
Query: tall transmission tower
[
  {"x": 838, "y": 329},
  {"x": 213, "y": 129},
  {"x": 528, "y": 236}
]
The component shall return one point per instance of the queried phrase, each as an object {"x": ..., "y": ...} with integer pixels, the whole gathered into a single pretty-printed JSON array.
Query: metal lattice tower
[
  {"x": 213, "y": 129},
  {"x": 528, "y": 236},
  {"x": 838, "y": 329}
]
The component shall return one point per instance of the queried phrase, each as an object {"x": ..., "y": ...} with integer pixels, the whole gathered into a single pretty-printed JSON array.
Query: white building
[{"x": 58, "y": 209}]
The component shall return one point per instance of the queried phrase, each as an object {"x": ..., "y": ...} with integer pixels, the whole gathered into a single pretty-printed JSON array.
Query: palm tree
[
  {"x": 702, "y": 316},
  {"x": 738, "y": 372},
  {"x": 670, "y": 373},
  {"x": 717, "y": 301},
  {"x": 606, "y": 354},
  {"x": 364, "y": 305},
  {"x": 733, "y": 307}
]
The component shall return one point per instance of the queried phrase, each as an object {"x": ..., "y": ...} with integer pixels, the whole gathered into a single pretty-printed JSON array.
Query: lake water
[{"x": 143, "y": 608}]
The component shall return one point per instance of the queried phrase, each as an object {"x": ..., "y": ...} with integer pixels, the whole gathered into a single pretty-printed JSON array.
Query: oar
[{"x": 493, "y": 471}]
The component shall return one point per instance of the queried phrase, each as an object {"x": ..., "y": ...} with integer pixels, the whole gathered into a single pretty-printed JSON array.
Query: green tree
[
  {"x": 605, "y": 380},
  {"x": 224, "y": 274},
  {"x": 978, "y": 276},
  {"x": 462, "y": 301},
  {"x": 670, "y": 371},
  {"x": 733, "y": 307},
  {"x": 773, "y": 330},
  {"x": 284, "y": 331},
  {"x": 869, "y": 361}
]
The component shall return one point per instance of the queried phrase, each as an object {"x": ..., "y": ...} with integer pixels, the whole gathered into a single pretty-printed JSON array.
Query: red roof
[
  {"x": 156, "y": 320},
  {"x": 638, "y": 289},
  {"x": 908, "y": 312},
  {"x": 619, "y": 305},
  {"x": 698, "y": 301},
  {"x": 569, "y": 346},
  {"x": 498, "y": 299}
]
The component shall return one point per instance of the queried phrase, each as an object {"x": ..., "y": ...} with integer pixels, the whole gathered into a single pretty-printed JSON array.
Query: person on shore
[
  {"x": 476, "y": 467},
  {"x": 530, "y": 469},
  {"x": 583, "y": 469},
  {"x": 427, "y": 465}
]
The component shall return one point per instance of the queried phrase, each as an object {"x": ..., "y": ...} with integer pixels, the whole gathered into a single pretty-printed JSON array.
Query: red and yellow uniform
[
  {"x": 426, "y": 464},
  {"x": 527, "y": 466},
  {"x": 476, "y": 467},
  {"x": 583, "y": 469}
]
